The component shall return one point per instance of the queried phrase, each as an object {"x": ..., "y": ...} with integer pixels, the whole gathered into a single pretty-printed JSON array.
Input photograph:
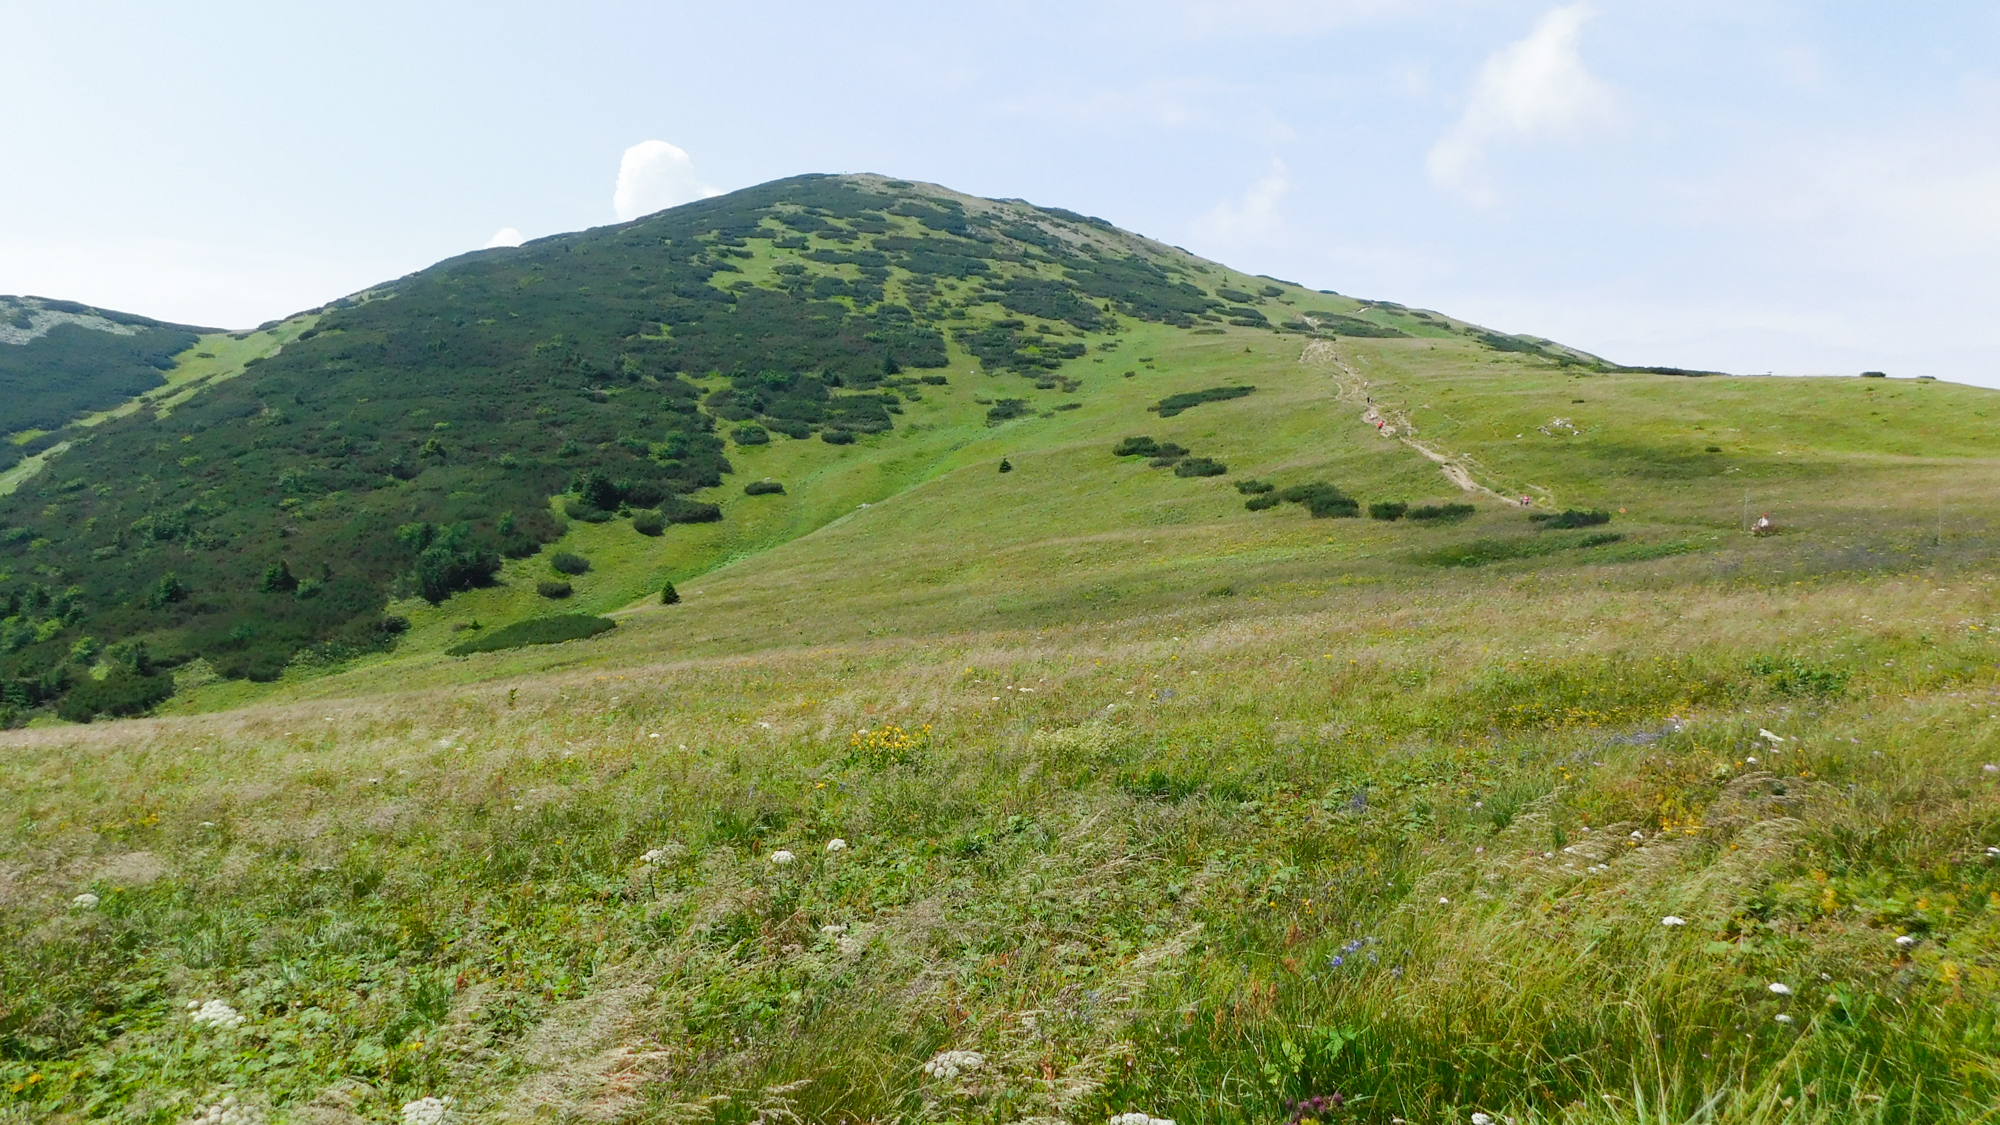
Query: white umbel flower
[
  {"x": 1482, "y": 1119},
  {"x": 665, "y": 853},
  {"x": 1906, "y": 941},
  {"x": 1782, "y": 1018},
  {"x": 1673, "y": 920},
  {"x": 426, "y": 1111},
  {"x": 781, "y": 857},
  {"x": 215, "y": 1013},
  {"x": 836, "y": 845},
  {"x": 228, "y": 1111},
  {"x": 1778, "y": 989},
  {"x": 1140, "y": 1119},
  {"x": 84, "y": 901},
  {"x": 951, "y": 1064}
]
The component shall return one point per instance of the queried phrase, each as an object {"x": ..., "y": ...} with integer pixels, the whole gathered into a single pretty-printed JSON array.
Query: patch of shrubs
[
  {"x": 1166, "y": 453},
  {"x": 536, "y": 631},
  {"x": 569, "y": 562},
  {"x": 935, "y": 380},
  {"x": 126, "y": 691},
  {"x": 837, "y": 437},
  {"x": 1136, "y": 447},
  {"x": 1792, "y": 676},
  {"x": 1200, "y": 467},
  {"x": 1323, "y": 500},
  {"x": 1441, "y": 513},
  {"x": 1262, "y": 501},
  {"x": 1254, "y": 487},
  {"x": 1175, "y": 404},
  {"x": 649, "y": 523},
  {"x": 1387, "y": 510},
  {"x": 679, "y": 510},
  {"x": 752, "y": 434},
  {"x": 554, "y": 588},
  {"x": 1570, "y": 517},
  {"x": 1006, "y": 410},
  {"x": 763, "y": 488}
]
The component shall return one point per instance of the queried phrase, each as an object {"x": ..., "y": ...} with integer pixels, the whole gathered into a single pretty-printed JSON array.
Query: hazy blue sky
[{"x": 1752, "y": 185}]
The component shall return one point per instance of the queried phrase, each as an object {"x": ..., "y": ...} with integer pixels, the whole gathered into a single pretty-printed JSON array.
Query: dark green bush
[
  {"x": 1006, "y": 410},
  {"x": 679, "y": 510},
  {"x": 1254, "y": 487},
  {"x": 554, "y": 588},
  {"x": 1006, "y": 466},
  {"x": 124, "y": 692},
  {"x": 649, "y": 523},
  {"x": 1441, "y": 513},
  {"x": 936, "y": 380},
  {"x": 1322, "y": 499},
  {"x": 1262, "y": 501},
  {"x": 536, "y": 631},
  {"x": 669, "y": 595},
  {"x": 454, "y": 560},
  {"x": 837, "y": 437},
  {"x": 1175, "y": 404},
  {"x": 579, "y": 510},
  {"x": 168, "y": 590},
  {"x": 751, "y": 434},
  {"x": 1387, "y": 510},
  {"x": 763, "y": 488},
  {"x": 1136, "y": 447},
  {"x": 1200, "y": 467},
  {"x": 569, "y": 562},
  {"x": 1570, "y": 517},
  {"x": 278, "y": 579}
]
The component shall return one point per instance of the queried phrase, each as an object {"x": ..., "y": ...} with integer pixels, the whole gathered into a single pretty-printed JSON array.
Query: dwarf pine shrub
[
  {"x": 649, "y": 523},
  {"x": 555, "y": 588},
  {"x": 1141, "y": 446},
  {"x": 1441, "y": 513},
  {"x": 669, "y": 595},
  {"x": 763, "y": 488},
  {"x": 1254, "y": 487},
  {"x": 1262, "y": 501},
  {"x": 569, "y": 562},
  {"x": 1322, "y": 499},
  {"x": 536, "y": 631},
  {"x": 1570, "y": 517},
  {"x": 1200, "y": 467},
  {"x": 1387, "y": 510}
]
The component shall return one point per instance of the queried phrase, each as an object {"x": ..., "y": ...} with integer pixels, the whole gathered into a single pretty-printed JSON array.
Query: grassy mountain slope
[
  {"x": 1152, "y": 801},
  {"x": 60, "y": 360},
  {"x": 411, "y": 438}
]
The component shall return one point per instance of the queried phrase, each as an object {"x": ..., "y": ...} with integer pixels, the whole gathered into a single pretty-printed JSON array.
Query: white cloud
[
  {"x": 505, "y": 236},
  {"x": 653, "y": 176},
  {"x": 1255, "y": 215},
  {"x": 1535, "y": 89}
]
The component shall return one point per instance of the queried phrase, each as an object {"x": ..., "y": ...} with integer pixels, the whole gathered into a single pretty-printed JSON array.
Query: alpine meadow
[{"x": 849, "y": 651}]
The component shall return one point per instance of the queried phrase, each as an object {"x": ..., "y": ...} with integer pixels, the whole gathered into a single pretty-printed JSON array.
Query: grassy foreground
[{"x": 1415, "y": 851}]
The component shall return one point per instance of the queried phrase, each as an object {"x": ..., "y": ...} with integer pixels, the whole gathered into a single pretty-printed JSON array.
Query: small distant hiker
[
  {"x": 1763, "y": 526},
  {"x": 1525, "y": 502}
]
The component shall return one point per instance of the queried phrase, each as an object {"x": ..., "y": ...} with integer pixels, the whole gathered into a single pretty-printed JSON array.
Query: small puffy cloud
[
  {"x": 505, "y": 236},
  {"x": 1536, "y": 89},
  {"x": 1255, "y": 215},
  {"x": 653, "y": 176}
]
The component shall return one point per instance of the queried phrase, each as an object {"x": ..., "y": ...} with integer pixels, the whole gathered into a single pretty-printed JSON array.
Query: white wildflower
[
  {"x": 951, "y": 1064},
  {"x": 1989, "y": 768},
  {"x": 84, "y": 901},
  {"x": 1778, "y": 989},
  {"x": 1906, "y": 941},
  {"x": 1993, "y": 853},
  {"x": 836, "y": 845},
  {"x": 1443, "y": 901},
  {"x": 1139, "y": 1119},
  {"x": 1782, "y": 1018},
  {"x": 781, "y": 857},
  {"x": 1638, "y": 835},
  {"x": 665, "y": 853},
  {"x": 426, "y": 1111},
  {"x": 1673, "y": 920},
  {"x": 833, "y": 928},
  {"x": 1773, "y": 739},
  {"x": 228, "y": 1111},
  {"x": 1482, "y": 1119},
  {"x": 215, "y": 1013}
]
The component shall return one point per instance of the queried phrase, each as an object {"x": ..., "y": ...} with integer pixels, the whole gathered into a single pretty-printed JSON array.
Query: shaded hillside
[{"x": 60, "y": 360}]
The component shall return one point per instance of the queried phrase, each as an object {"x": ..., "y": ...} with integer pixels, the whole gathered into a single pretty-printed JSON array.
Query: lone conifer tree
[
  {"x": 1006, "y": 466},
  {"x": 278, "y": 578},
  {"x": 669, "y": 595}
]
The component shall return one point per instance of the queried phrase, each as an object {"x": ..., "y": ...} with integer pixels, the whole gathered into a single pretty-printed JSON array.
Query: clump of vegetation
[
  {"x": 1570, "y": 518},
  {"x": 1262, "y": 501},
  {"x": 1322, "y": 499},
  {"x": 569, "y": 562},
  {"x": 1006, "y": 466},
  {"x": 554, "y": 588},
  {"x": 1387, "y": 510},
  {"x": 1789, "y": 675},
  {"x": 751, "y": 434},
  {"x": 763, "y": 488},
  {"x": 1006, "y": 410},
  {"x": 837, "y": 437},
  {"x": 650, "y": 524},
  {"x": 669, "y": 595},
  {"x": 1254, "y": 487},
  {"x": 1175, "y": 404},
  {"x": 1166, "y": 453},
  {"x": 1136, "y": 447},
  {"x": 1200, "y": 467},
  {"x": 1440, "y": 513},
  {"x": 535, "y": 631}
]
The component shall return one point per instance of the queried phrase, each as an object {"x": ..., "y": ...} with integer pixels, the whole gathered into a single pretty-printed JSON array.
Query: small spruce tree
[
  {"x": 278, "y": 578},
  {"x": 669, "y": 595},
  {"x": 1006, "y": 466}
]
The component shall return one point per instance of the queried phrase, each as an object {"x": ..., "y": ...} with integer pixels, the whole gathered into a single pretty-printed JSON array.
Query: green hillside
[
  {"x": 60, "y": 361},
  {"x": 409, "y": 440},
  {"x": 1154, "y": 697}
]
